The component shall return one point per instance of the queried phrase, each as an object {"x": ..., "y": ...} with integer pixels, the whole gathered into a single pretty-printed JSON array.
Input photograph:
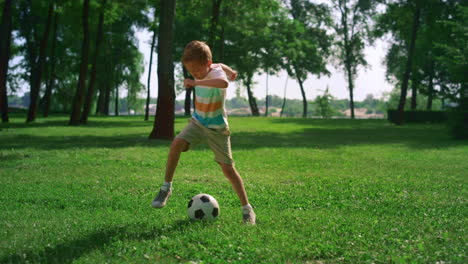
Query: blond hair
[{"x": 197, "y": 51}]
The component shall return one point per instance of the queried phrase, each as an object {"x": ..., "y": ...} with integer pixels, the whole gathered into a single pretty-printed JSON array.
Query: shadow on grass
[
  {"x": 71, "y": 250},
  {"x": 95, "y": 122},
  {"x": 309, "y": 133},
  {"x": 418, "y": 138},
  {"x": 71, "y": 142}
]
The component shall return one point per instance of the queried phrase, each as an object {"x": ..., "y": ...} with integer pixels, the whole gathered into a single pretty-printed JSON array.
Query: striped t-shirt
[{"x": 209, "y": 101}]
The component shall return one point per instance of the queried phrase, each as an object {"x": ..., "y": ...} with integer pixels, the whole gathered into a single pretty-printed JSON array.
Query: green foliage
[
  {"x": 323, "y": 104},
  {"x": 391, "y": 101},
  {"x": 433, "y": 63},
  {"x": 454, "y": 45},
  {"x": 120, "y": 63},
  {"x": 307, "y": 44},
  {"x": 251, "y": 36},
  {"x": 352, "y": 31},
  {"x": 332, "y": 191}
]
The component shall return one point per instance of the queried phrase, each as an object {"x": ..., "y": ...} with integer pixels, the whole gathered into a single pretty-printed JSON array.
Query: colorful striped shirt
[{"x": 209, "y": 101}]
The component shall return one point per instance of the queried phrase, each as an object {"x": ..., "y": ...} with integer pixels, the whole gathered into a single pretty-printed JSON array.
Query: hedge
[{"x": 419, "y": 116}]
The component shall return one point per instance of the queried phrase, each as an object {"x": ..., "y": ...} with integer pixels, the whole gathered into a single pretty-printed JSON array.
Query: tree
[
  {"x": 120, "y": 57},
  {"x": 191, "y": 24},
  {"x": 52, "y": 74},
  {"x": 90, "y": 93},
  {"x": 81, "y": 89},
  {"x": 352, "y": 29},
  {"x": 39, "y": 69},
  {"x": 148, "y": 97},
  {"x": 456, "y": 62},
  {"x": 427, "y": 76},
  {"x": 251, "y": 40},
  {"x": 266, "y": 95},
  {"x": 164, "y": 121},
  {"x": 284, "y": 96},
  {"x": 409, "y": 61},
  {"x": 216, "y": 6},
  {"x": 323, "y": 103},
  {"x": 307, "y": 44},
  {"x": 5, "y": 40}
]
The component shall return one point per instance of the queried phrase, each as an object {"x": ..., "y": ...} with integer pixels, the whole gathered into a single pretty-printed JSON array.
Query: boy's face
[{"x": 198, "y": 70}]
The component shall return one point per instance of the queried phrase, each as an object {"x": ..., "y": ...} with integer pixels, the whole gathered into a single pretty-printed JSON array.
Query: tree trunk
[
  {"x": 148, "y": 96},
  {"x": 81, "y": 89},
  {"x": 116, "y": 104},
  {"x": 347, "y": 45},
  {"x": 31, "y": 37},
  {"x": 188, "y": 100},
  {"x": 266, "y": 96},
  {"x": 414, "y": 93},
  {"x": 50, "y": 84},
  {"x": 188, "y": 95},
  {"x": 430, "y": 88},
  {"x": 304, "y": 99},
  {"x": 430, "y": 94},
  {"x": 284, "y": 97},
  {"x": 442, "y": 91},
  {"x": 106, "y": 91},
  {"x": 107, "y": 98},
  {"x": 40, "y": 67},
  {"x": 351, "y": 92},
  {"x": 221, "y": 45},
  {"x": 252, "y": 101},
  {"x": 5, "y": 42},
  {"x": 409, "y": 63},
  {"x": 100, "y": 101},
  {"x": 214, "y": 24},
  {"x": 90, "y": 94},
  {"x": 164, "y": 121}
]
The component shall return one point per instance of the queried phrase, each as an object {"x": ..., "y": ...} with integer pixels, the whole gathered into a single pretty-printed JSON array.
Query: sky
[{"x": 369, "y": 81}]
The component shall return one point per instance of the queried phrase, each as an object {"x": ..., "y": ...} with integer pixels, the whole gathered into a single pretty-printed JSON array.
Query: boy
[{"x": 208, "y": 123}]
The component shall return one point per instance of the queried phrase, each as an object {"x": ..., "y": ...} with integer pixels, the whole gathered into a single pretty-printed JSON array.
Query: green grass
[{"x": 325, "y": 191}]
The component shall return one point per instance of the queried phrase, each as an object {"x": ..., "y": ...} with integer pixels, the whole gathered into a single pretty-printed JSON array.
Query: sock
[
  {"x": 247, "y": 207},
  {"x": 166, "y": 186}
]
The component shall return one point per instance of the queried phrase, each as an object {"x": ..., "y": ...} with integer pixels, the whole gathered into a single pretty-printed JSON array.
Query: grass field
[{"x": 325, "y": 191}]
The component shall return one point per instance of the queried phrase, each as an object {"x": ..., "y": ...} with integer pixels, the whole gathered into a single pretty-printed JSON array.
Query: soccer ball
[{"x": 203, "y": 206}]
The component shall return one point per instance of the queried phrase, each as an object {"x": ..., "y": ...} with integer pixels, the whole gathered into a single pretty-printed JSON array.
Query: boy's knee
[
  {"x": 226, "y": 167},
  {"x": 180, "y": 144}
]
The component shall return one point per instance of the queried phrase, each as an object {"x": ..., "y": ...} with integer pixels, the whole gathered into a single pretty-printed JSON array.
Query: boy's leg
[
  {"x": 220, "y": 143},
  {"x": 178, "y": 146},
  {"x": 236, "y": 181}
]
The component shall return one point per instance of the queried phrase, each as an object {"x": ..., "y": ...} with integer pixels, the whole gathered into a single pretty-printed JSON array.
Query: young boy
[{"x": 208, "y": 123}]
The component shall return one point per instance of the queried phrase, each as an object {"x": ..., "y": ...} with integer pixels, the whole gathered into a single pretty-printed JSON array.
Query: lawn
[{"x": 325, "y": 191}]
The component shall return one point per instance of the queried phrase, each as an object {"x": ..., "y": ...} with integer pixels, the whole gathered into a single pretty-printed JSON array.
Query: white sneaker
[
  {"x": 248, "y": 216},
  {"x": 161, "y": 199}
]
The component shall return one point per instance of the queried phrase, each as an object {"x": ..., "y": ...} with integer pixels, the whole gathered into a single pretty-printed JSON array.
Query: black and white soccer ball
[{"x": 203, "y": 207}]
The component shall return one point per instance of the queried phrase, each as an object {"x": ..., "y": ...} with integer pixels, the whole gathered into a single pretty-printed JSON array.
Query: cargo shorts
[{"x": 219, "y": 141}]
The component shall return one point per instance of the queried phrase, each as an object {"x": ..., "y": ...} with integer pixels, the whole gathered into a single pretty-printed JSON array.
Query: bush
[
  {"x": 458, "y": 123},
  {"x": 419, "y": 116},
  {"x": 458, "y": 117}
]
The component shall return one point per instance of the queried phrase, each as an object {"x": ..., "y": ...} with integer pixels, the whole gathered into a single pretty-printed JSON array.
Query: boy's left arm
[{"x": 231, "y": 74}]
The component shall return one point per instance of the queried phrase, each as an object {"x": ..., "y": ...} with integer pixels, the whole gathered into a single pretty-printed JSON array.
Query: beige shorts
[{"x": 218, "y": 140}]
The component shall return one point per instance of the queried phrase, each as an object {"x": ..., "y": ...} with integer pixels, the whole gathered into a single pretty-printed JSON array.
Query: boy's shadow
[{"x": 69, "y": 251}]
